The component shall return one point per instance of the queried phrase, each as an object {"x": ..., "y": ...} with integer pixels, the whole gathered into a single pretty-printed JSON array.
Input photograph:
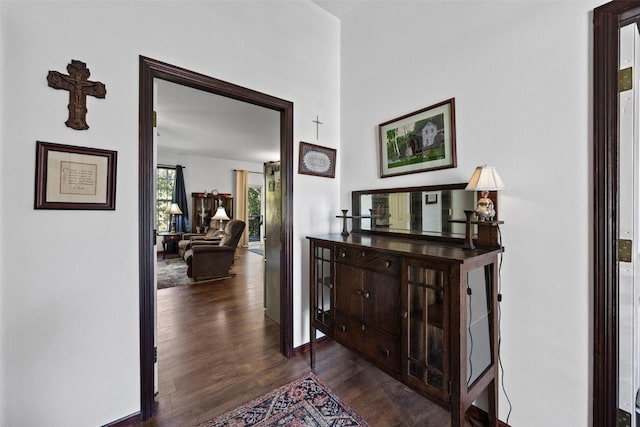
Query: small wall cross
[
  {"x": 79, "y": 86},
  {"x": 318, "y": 123}
]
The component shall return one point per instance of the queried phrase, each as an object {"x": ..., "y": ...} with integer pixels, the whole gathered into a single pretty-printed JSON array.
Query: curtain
[
  {"x": 242, "y": 203},
  {"x": 180, "y": 197}
]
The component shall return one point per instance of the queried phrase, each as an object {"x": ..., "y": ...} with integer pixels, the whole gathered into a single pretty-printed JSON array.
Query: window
[{"x": 165, "y": 181}]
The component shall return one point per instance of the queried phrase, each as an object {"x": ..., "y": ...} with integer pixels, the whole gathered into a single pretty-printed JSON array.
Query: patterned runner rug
[{"x": 303, "y": 402}]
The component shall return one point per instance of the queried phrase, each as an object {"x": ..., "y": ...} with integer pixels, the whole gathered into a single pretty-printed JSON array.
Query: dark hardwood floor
[{"x": 217, "y": 350}]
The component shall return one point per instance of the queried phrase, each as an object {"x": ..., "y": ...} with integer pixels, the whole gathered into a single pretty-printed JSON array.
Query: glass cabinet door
[
  {"x": 479, "y": 329},
  {"x": 426, "y": 328},
  {"x": 324, "y": 285}
]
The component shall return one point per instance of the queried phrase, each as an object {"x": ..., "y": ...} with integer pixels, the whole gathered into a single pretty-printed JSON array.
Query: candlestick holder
[{"x": 344, "y": 217}]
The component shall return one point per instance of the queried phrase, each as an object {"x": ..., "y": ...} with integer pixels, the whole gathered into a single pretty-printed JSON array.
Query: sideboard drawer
[
  {"x": 369, "y": 259},
  {"x": 382, "y": 348},
  {"x": 350, "y": 331}
]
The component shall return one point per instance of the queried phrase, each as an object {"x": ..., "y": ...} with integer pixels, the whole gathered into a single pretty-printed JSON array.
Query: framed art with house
[{"x": 424, "y": 140}]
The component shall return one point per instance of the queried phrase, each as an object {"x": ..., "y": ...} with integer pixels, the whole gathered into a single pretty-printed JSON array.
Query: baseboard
[
  {"x": 304, "y": 348},
  {"x": 128, "y": 421},
  {"x": 479, "y": 415}
]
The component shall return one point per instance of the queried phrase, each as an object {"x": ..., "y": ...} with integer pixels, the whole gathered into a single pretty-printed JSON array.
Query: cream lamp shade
[
  {"x": 173, "y": 210},
  {"x": 221, "y": 215},
  {"x": 485, "y": 179}
]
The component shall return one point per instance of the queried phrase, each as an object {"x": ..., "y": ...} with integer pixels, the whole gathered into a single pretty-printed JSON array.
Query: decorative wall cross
[
  {"x": 318, "y": 123},
  {"x": 79, "y": 86}
]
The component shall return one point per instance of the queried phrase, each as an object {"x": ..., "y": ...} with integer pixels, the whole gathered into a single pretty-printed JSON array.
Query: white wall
[
  {"x": 3, "y": 154},
  {"x": 69, "y": 343},
  {"x": 520, "y": 73},
  {"x": 204, "y": 173}
]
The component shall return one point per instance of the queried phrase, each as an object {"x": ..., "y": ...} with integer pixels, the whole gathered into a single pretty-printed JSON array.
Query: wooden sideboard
[{"x": 424, "y": 312}]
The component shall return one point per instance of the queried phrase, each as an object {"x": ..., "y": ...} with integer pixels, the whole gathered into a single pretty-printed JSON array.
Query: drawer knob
[
  {"x": 363, "y": 253},
  {"x": 404, "y": 314},
  {"x": 386, "y": 352},
  {"x": 367, "y": 294},
  {"x": 362, "y": 327},
  {"x": 343, "y": 328},
  {"x": 343, "y": 254},
  {"x": 387, "y": 263}
]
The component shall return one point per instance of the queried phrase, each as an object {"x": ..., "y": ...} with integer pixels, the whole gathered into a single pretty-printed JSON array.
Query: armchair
[
  {"x": 210, "y": 261},
  {"x": 212, "y": 236}
]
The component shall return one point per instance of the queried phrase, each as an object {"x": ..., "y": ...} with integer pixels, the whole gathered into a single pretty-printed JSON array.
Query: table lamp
[
  {"x": 173, "y": 210},
  {"x": 221, "y": 215},
  {"x": 485, "y": 179}
]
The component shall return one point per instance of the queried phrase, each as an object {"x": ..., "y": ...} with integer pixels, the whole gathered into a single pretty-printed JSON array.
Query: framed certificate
[{"x": 70, "y": 177}]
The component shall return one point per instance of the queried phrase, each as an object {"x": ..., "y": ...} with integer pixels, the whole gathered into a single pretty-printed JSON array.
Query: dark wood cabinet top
[{"x": 432, "y": 250}]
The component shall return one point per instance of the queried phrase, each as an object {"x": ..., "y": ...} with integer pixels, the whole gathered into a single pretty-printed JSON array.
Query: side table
[{"x": 168, "y": 236}]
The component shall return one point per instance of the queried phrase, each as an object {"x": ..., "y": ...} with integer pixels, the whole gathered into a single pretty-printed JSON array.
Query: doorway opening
[
  {"x": 256, "y": 215},
  {"x": 149, "y": 70}
]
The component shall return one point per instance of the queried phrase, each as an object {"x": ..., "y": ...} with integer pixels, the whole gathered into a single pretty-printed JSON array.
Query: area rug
[
  {"x": 256, "y": 249},
  {"x": 173, "y": 272},
  {"x": 303, "y": 402}
]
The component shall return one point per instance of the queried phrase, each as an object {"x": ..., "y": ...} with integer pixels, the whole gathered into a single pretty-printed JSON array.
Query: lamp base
[{"x": 485, "y": 210}]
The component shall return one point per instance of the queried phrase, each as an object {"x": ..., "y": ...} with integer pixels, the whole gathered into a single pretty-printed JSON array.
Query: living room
[{"x": 192, "y": 131}]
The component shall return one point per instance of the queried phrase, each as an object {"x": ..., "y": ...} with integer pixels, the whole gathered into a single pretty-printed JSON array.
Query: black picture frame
[
  {"x": 74, "y": 178},
  {"x": 424, "y": 140}
]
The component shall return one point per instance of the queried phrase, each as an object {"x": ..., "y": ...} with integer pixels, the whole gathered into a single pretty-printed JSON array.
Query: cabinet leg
[
  {"x": 312, "y": 348},
  {"x": 457, "y": 416},
  {"x": 492, "y": 391}
]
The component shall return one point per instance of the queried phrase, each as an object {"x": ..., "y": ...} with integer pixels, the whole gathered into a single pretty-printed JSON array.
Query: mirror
[{"x": 430, "y": 211}]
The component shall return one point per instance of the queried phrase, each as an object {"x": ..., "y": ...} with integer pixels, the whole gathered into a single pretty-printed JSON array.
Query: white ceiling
[
  {"x": 338, "y": 8},
  {"x": 195, "y": 122}
]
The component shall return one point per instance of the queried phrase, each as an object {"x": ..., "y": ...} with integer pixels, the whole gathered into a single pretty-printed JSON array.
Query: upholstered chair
[
  {"x": 212, "y": 237},
  {"x": 213, "y": 261}
]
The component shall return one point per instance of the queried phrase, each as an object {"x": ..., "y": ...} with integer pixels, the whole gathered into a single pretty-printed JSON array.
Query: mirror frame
[{"x": 355, "y": 207}]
